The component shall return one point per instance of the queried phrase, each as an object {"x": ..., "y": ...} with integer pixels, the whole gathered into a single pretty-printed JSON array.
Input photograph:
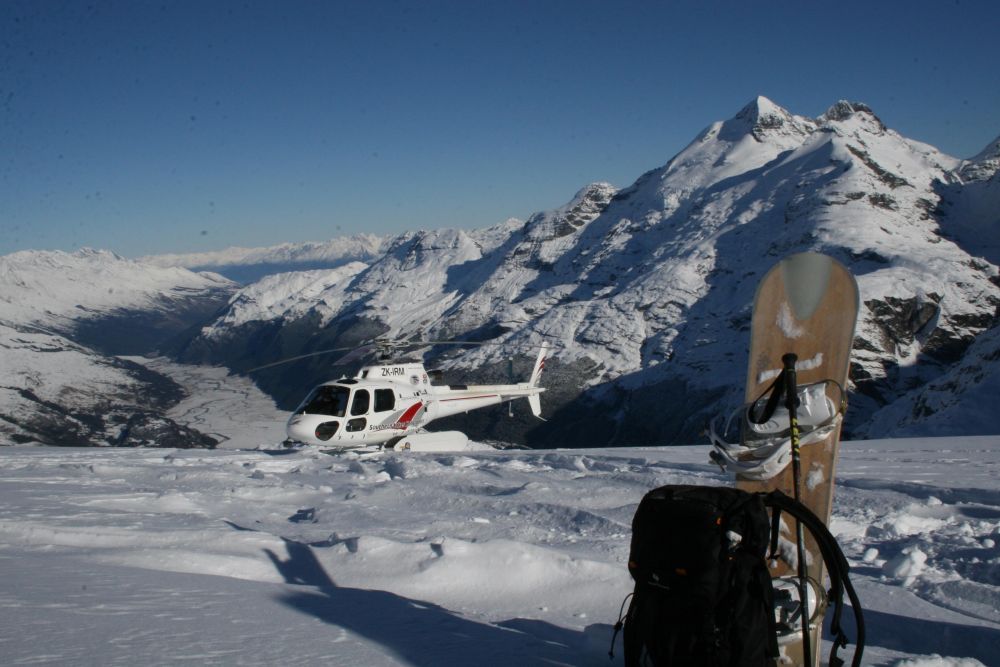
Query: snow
[
  {"x": 230, "y": 408},
  {"x": 651, "y": 285},
  {"x": 54, "y": 287},
  {"x": 287, "y": 295},
  {"x": 253, "y": 554},
  {"x": 331, "y": 252}
]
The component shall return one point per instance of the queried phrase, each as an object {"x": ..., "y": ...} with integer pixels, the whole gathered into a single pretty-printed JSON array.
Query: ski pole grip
[
  {"x": 788, "y": 360},
  {"x": 791, "y": 390}
]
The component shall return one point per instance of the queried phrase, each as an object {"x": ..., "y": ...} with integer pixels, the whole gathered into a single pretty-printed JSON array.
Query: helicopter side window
[
  {"x": 385, "y": 400},
  {"x": 362, "y": 401},
  {"x": 356, "y": 424},
  {"x": 326, "y": 400}
]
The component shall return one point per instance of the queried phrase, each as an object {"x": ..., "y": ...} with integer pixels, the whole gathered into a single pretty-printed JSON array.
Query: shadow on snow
[
  {"x": 927, "y": 637},
  {"x": 421, "y": 633}
]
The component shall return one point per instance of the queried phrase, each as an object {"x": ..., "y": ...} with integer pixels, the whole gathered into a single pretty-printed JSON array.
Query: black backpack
[{"x": 703, "y": 593}]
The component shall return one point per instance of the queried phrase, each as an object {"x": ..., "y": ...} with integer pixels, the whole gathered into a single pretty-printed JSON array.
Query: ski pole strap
[{"x": 774, "y": 395}]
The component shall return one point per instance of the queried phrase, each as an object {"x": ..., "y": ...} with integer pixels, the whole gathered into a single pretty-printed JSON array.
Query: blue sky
[{"x": 152, "y": 127}]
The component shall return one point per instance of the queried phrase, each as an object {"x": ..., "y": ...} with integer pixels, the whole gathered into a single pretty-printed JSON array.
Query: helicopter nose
[{"x": 311, "y": 429}]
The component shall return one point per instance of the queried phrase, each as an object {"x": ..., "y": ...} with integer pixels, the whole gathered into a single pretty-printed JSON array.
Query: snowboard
[{"x": 806, "y": 305}]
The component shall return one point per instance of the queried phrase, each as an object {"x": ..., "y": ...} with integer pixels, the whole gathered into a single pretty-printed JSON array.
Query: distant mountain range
[
  {"x": 247, "y": 265},
  {"x": 646, "y": 291}
]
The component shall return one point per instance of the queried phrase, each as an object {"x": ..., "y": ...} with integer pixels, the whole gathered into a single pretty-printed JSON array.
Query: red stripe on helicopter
[{"x": 410, "y": 413}]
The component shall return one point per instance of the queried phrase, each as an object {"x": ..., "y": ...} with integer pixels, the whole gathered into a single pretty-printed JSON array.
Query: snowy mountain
[
  {"x": 971, "y": 204},
  {"x": 647, "y": 290},
  {"x": 61, "y": 317},
  {"x": 246, "y": 265}
]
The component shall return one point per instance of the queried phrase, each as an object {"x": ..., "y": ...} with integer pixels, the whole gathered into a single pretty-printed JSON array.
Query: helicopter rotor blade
[
  {"x": 355, "y": 353},
  {"x": 300, "y": 356},
  {"x": 489, "y": 343},
  {"x": 380, "y": 345}
]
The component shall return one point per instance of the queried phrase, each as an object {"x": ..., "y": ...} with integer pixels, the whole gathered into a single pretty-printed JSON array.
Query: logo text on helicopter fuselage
[{"x": 395, "y": 426}]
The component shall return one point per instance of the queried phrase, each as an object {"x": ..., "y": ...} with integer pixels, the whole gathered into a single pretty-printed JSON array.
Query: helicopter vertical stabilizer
[{"x": 536, "y": 373}]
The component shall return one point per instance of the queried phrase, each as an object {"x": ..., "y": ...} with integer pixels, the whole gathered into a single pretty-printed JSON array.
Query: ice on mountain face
[{"x": 942, "y": 406}]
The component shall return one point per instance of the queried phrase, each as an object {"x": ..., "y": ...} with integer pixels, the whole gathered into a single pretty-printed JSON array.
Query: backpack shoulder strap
[{"x": 836, "y": 565}]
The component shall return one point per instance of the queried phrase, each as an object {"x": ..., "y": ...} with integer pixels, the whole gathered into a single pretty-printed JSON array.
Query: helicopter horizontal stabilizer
[{"x": 535, "y": 402}]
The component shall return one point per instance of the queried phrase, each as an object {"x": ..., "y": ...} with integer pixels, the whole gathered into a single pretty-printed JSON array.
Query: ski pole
[{"x": 791, "y": 396}]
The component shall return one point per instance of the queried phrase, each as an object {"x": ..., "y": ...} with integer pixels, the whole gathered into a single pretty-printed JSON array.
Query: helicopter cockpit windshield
[{"x": 326, "y": 400}]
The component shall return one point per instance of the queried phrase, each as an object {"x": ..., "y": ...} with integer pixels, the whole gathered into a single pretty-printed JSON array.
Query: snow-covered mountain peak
[
  {"x": 491, "y": 238},
  {"x": 763, "y": 112},
  {"x": 763, "y": 120},
  {"x": 983, "y": 166},
  {"x": 751, "y": 139},
  {"x": 845, "y": 109},
  {"x": 59, "y": 259},
  {"x": 853, "y": 119}
]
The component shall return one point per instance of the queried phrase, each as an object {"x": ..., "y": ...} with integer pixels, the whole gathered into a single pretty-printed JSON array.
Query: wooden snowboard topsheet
[{"x": 808, "y": 305}]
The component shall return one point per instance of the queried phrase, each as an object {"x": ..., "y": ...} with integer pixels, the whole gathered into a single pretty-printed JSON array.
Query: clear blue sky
[{"x": 149, "y": 127}]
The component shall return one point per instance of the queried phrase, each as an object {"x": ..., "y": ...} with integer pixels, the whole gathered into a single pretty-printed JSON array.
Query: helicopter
[{"x": 389, "y": 404}]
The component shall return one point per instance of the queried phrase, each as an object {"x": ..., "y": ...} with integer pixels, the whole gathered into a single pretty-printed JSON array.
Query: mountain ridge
[{"x": 647, "y": 289}]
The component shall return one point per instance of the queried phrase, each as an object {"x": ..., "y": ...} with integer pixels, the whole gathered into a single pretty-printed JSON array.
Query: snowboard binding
[
  {"x": 788, "y": 607},
  {"x": 763, "y": 429}
]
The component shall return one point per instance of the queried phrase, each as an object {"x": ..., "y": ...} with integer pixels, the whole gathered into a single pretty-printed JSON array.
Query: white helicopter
[{"x": 389, "y": 405}]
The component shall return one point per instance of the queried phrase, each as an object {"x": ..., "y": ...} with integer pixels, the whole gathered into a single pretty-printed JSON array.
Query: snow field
[{"x": 433, "y": 558}]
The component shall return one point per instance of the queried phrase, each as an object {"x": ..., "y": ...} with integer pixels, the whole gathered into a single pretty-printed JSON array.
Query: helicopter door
[{"x": 360, "y": 403}]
